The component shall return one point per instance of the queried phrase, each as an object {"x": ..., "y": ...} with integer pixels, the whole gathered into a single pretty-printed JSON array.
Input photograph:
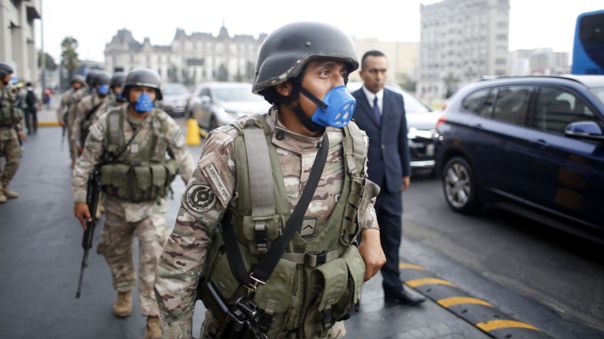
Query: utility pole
[{"x": 43, "y": 56}]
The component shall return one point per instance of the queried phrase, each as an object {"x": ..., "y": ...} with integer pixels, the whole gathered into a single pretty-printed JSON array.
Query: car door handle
[{"x": 541, "y": 143}]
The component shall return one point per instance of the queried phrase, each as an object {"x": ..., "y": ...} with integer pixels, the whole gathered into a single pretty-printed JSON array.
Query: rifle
[
  {"x": 92, "y": 200},
  {"x": 64, "y": 129}
]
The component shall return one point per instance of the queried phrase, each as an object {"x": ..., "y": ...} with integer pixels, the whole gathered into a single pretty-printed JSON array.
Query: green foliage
[
  {"x": 69, "y": 56},
  {"x": 49, "y": 61}
]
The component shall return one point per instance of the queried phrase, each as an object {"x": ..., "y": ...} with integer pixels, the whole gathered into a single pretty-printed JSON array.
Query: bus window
[{"x": 588, "y": 49}]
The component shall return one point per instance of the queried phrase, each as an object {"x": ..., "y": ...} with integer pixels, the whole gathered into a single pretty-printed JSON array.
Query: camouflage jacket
[
  {"x": 74, "y": 100},
  {"x": 185, "y": 253},
  {"x": 7, "y": 133},
  {"x": 95, "y": 148},
  {"x": 84, "y": 107},
  {"x": 64, "y": 104}
]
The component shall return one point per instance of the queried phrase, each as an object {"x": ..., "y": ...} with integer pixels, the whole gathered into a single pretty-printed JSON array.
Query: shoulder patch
[
  {"x": 199, "y": 198},
  {"x": 212, "y": 175}
]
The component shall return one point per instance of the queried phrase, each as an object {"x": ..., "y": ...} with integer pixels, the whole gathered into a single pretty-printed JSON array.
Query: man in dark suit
[{"x": 381, "y": 113}]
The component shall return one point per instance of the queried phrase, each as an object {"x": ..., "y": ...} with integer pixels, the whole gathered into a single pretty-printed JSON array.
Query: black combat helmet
[
  {"x": 90, "y": 77},
  {"x": 287, "y": 50},
  {"x": 5, "y": 70},
  {"x": 142, "y": 77},
  {"x": 117, "y": 80},
  {"x": 100, "y": 78},
  {"x": 78, "y": 78}
]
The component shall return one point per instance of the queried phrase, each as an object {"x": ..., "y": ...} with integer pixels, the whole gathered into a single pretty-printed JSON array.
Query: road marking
[
  {"x": 492, "y": 325},
  {"x": 410, "y": 266},
  {"x": 448, "y": 302},
  {"x": 427, "y": 281}
]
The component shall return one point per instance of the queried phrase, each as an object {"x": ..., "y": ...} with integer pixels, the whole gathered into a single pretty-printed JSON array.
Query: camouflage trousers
[
  {"x": 11, "y": 152},
  {"x": 116, "y": 247},
  {"x": 210, "y": 327}
]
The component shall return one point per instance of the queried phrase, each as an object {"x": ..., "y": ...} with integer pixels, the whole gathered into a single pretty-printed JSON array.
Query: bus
[{"x": 588, "y": 48}]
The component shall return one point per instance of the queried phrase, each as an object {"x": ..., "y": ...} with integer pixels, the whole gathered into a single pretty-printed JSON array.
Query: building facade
[
  {"x": 402, "y": 58},
  {"x": 197, "y": 57},
  {"x": 461, "y": 41},
  {"x": 541, "y": 61},
  {"x": 18, "y": 47},
  {"x": 189, "y": 59}
]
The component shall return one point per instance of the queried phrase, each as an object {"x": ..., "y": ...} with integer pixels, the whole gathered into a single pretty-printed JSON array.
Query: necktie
[{"x": 376, "y": 110}]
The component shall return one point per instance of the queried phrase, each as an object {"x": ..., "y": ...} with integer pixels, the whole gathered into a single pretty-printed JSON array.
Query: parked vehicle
[
  {"x": 421, "y": 127},
  {"x": 175, "y": 98},
  {"x": 533, "y": 145},
  {"x": 215, "y": 104}
]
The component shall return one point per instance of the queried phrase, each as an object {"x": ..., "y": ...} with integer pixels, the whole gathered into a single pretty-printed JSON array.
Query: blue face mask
[
  {"x": 339, "y": 110},
  {"x": 103, "y": 89},
  {"x": 144, "y": 103}
]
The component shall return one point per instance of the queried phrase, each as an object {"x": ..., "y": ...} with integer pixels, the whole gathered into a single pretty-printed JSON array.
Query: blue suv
[{"x": 533, "y": 145}]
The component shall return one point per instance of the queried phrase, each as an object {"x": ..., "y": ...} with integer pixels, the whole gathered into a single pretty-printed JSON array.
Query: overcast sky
[{"x": 533, "y": 23}]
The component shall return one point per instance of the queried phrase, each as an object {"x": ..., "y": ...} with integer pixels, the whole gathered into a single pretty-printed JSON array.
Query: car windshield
[
  {"x": 175, "y": 90},
  {"x": 599, "y": 92},
  {"x": 242, "y": 93}
]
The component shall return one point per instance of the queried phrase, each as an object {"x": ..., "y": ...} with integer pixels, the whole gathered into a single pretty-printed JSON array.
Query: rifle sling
[{"x": 261, "y": 272}]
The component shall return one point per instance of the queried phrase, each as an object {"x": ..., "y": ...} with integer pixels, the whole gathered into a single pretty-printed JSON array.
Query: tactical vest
[
  {"x": 136, "y": 177},
  {"x": 10, "y": 115},
  {"x": 87, "y": 122},
  {"x": 319, "y": 278}
]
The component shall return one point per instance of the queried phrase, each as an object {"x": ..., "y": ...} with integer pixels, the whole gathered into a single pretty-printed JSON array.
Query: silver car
[
  {"x": 421, "y": 127},
  {"x": 215, "y": 104},
  {"x": 175, "y": 98}
]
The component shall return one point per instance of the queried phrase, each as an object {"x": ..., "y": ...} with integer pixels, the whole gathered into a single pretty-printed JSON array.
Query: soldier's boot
[
  {"x": 153, "y": 328},
  {"x": 9, "y": 194},
  {"x": 123, "y": 304}
]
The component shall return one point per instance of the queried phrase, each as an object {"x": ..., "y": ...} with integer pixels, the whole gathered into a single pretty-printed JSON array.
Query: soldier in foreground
[
  {"x": 11, "y": 132},
  {"x": 131, "y": 144},
  {"x": 269, "y": 254}
]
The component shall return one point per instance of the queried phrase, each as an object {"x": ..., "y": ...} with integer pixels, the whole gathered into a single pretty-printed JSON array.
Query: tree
[
  {"x": 222, "y": 74},
  {"x": 69, "y": 56},
  {"x": 407, "y": 83},
  {"x": 51, "y": 65}
]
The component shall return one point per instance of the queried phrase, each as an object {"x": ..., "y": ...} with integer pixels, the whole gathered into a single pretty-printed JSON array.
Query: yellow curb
[
  {"x": 492, "y": 325},
  {"x": 448, "y": 302},
  {"x": 427, "y": 281},
  {"x": 410, "y": 266},
  {"x": 48, "y": 124}
]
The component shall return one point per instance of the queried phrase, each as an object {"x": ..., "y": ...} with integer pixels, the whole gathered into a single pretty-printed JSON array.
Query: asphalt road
[
  {"x": 530, "y": 272},
  {"x": 541, "y": 275}
]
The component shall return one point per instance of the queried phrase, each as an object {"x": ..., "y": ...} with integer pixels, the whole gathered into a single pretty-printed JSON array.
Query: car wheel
[{"x": 459, "y": 185}]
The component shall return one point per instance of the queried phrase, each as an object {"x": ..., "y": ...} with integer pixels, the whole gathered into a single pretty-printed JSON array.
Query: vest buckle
[
  {"x": 261, "y": 237},
  {"x": 314, "y": 259},
  {"x": 253, "y": 283}
]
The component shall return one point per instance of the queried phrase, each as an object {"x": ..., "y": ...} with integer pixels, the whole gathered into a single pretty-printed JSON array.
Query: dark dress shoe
[{"x": 402, "y": 297}]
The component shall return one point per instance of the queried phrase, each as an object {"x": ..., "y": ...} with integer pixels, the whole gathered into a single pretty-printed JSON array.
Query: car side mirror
[{"x": 584, "y": 130}]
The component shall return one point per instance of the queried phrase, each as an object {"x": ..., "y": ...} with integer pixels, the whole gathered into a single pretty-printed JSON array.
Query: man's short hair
[{"x": 373, "y": 53}]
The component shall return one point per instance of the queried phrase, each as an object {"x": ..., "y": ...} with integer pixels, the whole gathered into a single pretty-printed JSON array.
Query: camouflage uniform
[
  {"x": 72, "y": 113},
  {"x": 83, "y": 109},
  {"x": 124, "y": 219},
  {"x": 9, "y": 141},
  {"x": 185, "y": 253}
]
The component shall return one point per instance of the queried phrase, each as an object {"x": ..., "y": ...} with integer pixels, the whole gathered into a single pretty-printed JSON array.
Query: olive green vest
[
  {"x": 143, "y": 176},
  {"x": 10, "y": 115},
  {"x": 319, "y": 278}
]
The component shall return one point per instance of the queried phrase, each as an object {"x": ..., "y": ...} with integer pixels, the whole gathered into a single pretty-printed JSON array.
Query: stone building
[
  {"x": 189, "y": 59},
  {"x": 18, "y": 48},
  {"x": 461, "y": 41}
]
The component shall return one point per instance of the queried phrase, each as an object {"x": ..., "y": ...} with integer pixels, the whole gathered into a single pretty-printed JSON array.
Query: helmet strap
[{"x": 302, "y": 117}]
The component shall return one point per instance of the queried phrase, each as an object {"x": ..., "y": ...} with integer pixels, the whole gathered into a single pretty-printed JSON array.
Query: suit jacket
[{"x": 388, "y": 146}]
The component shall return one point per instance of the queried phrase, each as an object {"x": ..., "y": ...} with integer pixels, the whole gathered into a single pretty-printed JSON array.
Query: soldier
[
  {"x": 89, "y": 109},
  {"x": 130, "y": 143},
  {"x": 11, "y": 131},
  {"x": 67, "y": 109},
  {"x": 250, "y": 177}
]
